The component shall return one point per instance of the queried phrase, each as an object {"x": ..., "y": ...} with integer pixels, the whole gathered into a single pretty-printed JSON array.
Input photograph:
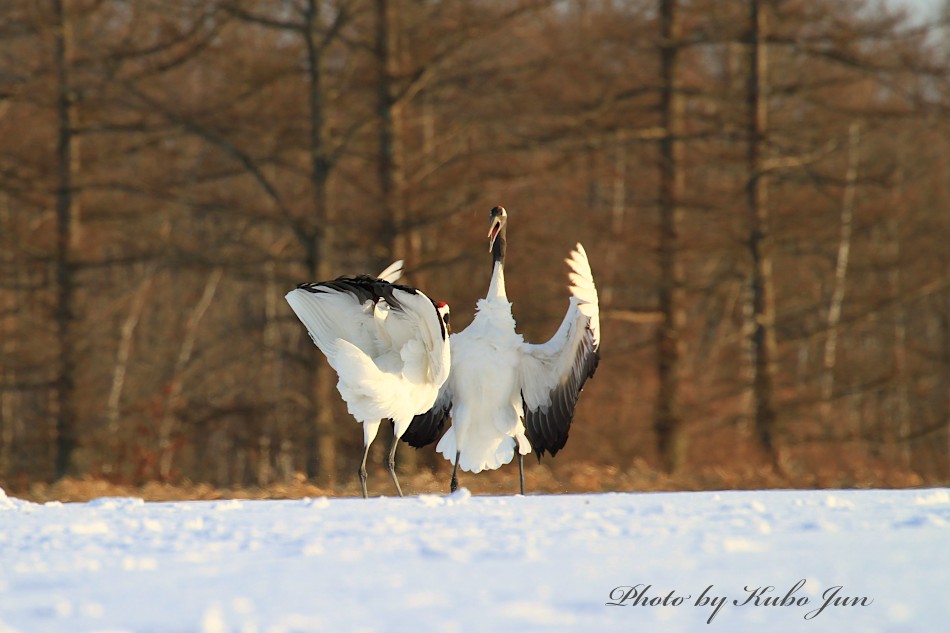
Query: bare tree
[
  {"x": 8, "y": 340},
  {"x": 320, "y": 256},
  {"x": 166, "y": 448},
  {"x": 669, "y": 423},
  {"x": 257, "y": 145},
  {"x": 392, "y": 182},
  {"x": 123, "y": 353},
  {"x": 317, "y": 28},
  {"x": 762, "y": 290},
  {"x": 67, "y": 232},
  {"x": 841, "y": 266}
]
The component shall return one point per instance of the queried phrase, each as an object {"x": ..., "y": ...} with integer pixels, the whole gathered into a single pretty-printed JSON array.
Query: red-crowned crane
[
  {"x": 507, "y": 396},
  {"x": 389, "y": 345}
]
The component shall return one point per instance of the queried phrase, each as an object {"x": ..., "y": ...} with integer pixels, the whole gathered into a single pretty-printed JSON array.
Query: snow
[{"x": 473, "y": 563}]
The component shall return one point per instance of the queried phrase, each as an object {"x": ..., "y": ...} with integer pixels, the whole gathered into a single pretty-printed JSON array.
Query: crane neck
[{"x": 496, "y": 290}]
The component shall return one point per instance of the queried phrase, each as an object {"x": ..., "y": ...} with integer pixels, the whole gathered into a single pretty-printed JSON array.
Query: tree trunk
[
  {"x": 943, "y": 461},
  {"x": 618, "y": 211},
  {"x": 391, "y": 177},
  {"x": 760, "y": 241},
  {"x": 322, "y": 458},
  {"x": 9, "y": 323},
  {"x": 166, "y": 448},
  {"x": 406, "y": 241},
  {"x": 900, "y": 416},
  {"x": 841, "y": 271},
  {"x": 669, "y": 427},
  {"x": 67, "y": 230},
  {"x": 274, "y": 425},
  {"x": 120, "y": 369}
]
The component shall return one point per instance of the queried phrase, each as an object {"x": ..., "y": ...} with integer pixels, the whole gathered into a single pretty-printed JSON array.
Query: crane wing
[
  {"x": 396, "y": 326},
  {"x": 335, "y": 310},
  {"x": 393, "y": 272},
  {"x": 553, "y": 374},
  {"x": 426, "y": 427}
]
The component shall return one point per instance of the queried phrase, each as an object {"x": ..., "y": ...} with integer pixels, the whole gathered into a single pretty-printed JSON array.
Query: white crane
[
  {"x": 507, "y": 396},
  {"x": 389, "y": 345}
]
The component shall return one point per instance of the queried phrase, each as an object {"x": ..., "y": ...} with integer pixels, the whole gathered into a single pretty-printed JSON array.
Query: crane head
[
  {"x": 497, "y": 222},
  {"x": 443, "y": 309}
]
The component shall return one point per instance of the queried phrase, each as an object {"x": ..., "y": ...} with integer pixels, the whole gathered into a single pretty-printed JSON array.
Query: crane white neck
[{"x": 496, "y": 290}]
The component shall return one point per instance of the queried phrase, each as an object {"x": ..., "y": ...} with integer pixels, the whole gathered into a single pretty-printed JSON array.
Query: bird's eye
[{"x": 445, "y": 318}]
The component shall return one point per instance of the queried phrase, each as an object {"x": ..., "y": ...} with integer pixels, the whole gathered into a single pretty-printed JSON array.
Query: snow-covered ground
[{"x": 464, "y": 563}]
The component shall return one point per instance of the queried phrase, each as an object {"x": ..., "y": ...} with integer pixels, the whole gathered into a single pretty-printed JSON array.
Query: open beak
[
  {"x": 497, "y": 219},
  {"x": 493, "y": 232}
]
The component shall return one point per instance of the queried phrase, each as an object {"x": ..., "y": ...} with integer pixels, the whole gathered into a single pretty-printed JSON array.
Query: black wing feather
[
  {"x": 367, "y": 288},
  {"x": 547, "y": 427},
  {"x": 426, "y": 428}
]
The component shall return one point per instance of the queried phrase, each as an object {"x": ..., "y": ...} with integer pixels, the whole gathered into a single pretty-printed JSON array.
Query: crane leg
[
  {"x": 520, "y": 469},
  {"x": 455, "y": 479},
  {"x": 362, "y": 472},
  {"x": 391, "y": 463}
]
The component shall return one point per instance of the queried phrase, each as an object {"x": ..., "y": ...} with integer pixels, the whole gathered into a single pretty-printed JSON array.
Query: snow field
[{"x": 598, "y": 562}]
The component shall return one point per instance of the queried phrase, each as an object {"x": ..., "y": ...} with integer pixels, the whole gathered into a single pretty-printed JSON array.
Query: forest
[{"x": 763, "y": 187}]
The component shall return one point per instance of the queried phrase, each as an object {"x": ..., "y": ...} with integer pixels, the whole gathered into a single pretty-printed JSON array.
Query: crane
[
  {"x": 508, "y": 397},
  {"x": 389, "y": 345}
]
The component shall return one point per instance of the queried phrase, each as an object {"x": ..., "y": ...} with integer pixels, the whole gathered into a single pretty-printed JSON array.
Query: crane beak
[
  {"x": 497, "y": 219},
  {"x": 493, "y": 232},
  {"x": 445, "y": 317}
]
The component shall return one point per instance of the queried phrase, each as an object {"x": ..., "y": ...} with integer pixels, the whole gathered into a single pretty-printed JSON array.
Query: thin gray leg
[
  {"x": 520, "y": 469},
  {"x": 391, "y": 463},
  {"x": 455, "y": 480},
  {"x": 362, "y": 472}
]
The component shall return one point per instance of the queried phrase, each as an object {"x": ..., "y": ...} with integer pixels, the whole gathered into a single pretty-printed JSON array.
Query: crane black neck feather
[
  {"x": 496, "y": 289},
  {"x": 499, "y": 248}
]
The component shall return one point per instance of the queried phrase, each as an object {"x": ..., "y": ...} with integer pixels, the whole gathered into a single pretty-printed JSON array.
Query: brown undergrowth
[{"x": 556, "y": 478}]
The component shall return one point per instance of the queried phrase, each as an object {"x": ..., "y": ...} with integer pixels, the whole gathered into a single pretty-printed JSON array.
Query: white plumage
[
  {"x": 487, "y": 412},
  {"x": 393, "y": 272},
  {"x": 505, "y": 394},
  {"x": 389, "y": 346}
]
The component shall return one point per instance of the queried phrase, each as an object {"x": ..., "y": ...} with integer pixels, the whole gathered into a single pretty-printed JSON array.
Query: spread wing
[
  {"x": 395, "y": 326},
  {"x": 338, "y": 309},
  {"x": 553, "y": 374}
]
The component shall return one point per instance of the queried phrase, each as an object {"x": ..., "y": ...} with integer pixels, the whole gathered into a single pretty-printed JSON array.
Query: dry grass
[{"x": 567, "y": 477}]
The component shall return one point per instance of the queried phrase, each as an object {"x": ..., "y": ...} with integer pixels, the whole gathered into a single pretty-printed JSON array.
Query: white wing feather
[
  {"x": 333, "y": 316},
  {"x": 391, "y": 359},
  {"x": 393, "y": 272},
  {"x": 553, "y": 373}
]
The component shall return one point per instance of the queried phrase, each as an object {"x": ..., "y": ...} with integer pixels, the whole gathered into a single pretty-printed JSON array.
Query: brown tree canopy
[{"x": 168, "y": 170}]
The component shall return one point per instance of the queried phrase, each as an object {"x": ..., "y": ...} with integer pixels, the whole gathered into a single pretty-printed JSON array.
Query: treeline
[{"x": 763, "y": 188}]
